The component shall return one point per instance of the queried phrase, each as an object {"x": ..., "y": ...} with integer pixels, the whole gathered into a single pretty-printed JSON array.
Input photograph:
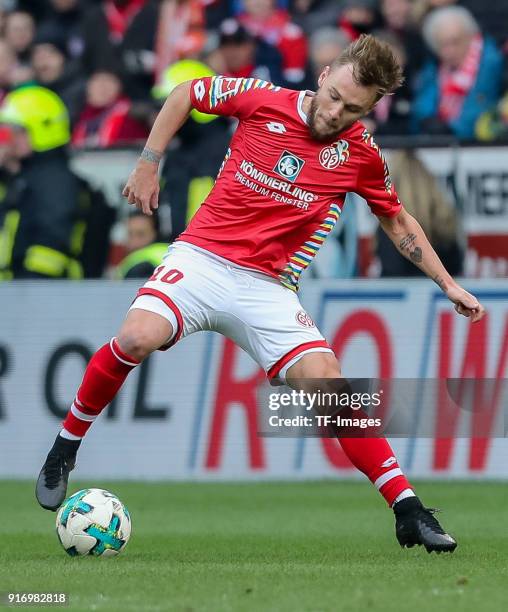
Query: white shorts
[{"x": 196, "y": 290}]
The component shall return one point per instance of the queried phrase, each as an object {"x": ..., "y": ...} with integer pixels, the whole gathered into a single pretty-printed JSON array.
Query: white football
[{"x": 93, "y": 522}]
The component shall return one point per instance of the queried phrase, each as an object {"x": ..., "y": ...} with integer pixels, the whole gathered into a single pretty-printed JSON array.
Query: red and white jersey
[{"x": 279, "y": 192}]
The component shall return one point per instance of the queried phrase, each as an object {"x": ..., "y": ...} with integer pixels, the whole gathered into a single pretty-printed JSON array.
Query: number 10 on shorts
[{"x": 171, "y": 277}]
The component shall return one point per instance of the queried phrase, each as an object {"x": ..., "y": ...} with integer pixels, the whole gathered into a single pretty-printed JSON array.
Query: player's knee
[
  {"x": 137, "y": 342},
  {"x": 329, "y": 369},
  {"x": 142, "y": 333}
]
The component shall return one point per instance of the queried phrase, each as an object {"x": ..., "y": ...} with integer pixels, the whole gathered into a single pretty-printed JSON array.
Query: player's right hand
[
  {"x": 142, "y": 188},
  {"x": 466, "y": 304}
]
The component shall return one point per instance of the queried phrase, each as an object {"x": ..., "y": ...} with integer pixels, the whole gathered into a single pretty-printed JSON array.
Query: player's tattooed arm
[
  {"x": 408, "y": 244},
  {"x": 440, "y": 282},
  {"x": 408, "y": 236},
  {"x": 410, "y": 239}
]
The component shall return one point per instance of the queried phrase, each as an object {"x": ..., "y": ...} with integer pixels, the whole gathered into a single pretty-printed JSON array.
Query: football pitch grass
[{"x": 311, "y": 546}]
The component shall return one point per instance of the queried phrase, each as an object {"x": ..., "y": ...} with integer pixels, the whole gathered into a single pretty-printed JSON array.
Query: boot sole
[{"x": 438, "y": 548}]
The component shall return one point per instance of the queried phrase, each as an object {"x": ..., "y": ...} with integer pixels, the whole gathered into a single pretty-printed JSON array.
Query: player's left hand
[{"x": 465, "y": 303}]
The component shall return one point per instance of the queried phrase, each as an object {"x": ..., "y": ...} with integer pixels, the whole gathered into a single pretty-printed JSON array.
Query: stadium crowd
[{"x": 93, "y": 73}]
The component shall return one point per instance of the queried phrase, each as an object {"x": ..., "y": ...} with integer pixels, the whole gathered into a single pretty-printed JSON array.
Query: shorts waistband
[{"x": 224, "y": 261}]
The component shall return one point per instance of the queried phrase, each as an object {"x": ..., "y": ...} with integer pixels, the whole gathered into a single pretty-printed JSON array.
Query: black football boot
[
  {"x": 416, "y": 525},
  {"x": 51, "y": 487}
]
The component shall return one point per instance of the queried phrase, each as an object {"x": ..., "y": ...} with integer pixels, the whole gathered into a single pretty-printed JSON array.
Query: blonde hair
[{"x": 373, "y": 63}]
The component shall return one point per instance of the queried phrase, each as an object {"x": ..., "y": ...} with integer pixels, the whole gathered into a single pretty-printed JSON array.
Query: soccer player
[{"x": 236, "y": 268}]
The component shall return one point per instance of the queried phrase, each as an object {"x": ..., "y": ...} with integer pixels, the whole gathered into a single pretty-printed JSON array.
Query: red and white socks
[
  {"x": 103, "y": 377},
  {"x": 375, "y": 458}
]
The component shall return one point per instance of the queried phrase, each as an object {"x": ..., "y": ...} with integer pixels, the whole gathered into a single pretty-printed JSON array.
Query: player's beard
[{"x": 330, "y": 133}]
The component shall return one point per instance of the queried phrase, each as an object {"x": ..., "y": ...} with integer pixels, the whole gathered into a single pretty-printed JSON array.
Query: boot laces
[
  {"x": 427, "y": 517},
  {"x": 53, "y": 470}
]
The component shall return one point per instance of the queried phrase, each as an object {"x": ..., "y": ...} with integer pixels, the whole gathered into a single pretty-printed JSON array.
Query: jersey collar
[{"x": 299, "y": 104}]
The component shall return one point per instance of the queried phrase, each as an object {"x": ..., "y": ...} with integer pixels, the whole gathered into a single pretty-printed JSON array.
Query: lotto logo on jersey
[
  {"x": 289, "y": 166},
  {"x": 275, "y": 128},
  {"x": 199, "y": 90}
]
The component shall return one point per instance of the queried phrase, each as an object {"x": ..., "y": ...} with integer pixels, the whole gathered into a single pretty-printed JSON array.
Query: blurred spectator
[
  {"x": 53, "y": 70},
  {"x": 398, "y": 20},
  {"x": 144, "y": 252},
  {"x": 492, "y": 17},
  {"x": 106, "y": 118},
  {"x": 262, "y": 18},
  {"x": 7, "y": 68},
  {"x": 312, "y": 15},
  {"x": 39, "y": 210},
  {"x": 358, "y": 17},
  {"x": 5, "y": 6},
  {"x": 325, "y": 45},
  {"x": 12, "y": 72},
  {"x": 179, "y": 72},
  {"x": 8, "y": 163},
  {"x": 91, "y": 234},
  {"x": 392, "y": 114},
  {"x": 119, "y": 36},
  {"x": 396, "y": 14},
  {"x": 493, "y": 125},
  {"x": 189, "y": 171},
  {"x": 240, "y": 54},
  {"x": 421, "y": 8},
  {"x": 180, "y": 32},
  {"x": 464, "y": 82},
  {"x": 65, "y": 17},
  {"x": 216, "y": 11},
  {"x": 36, "y": 8},
  {"x": 9, "y": 214},
  {"x": 424, "y": 199},
  {"x": 19, "y": 32}
]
